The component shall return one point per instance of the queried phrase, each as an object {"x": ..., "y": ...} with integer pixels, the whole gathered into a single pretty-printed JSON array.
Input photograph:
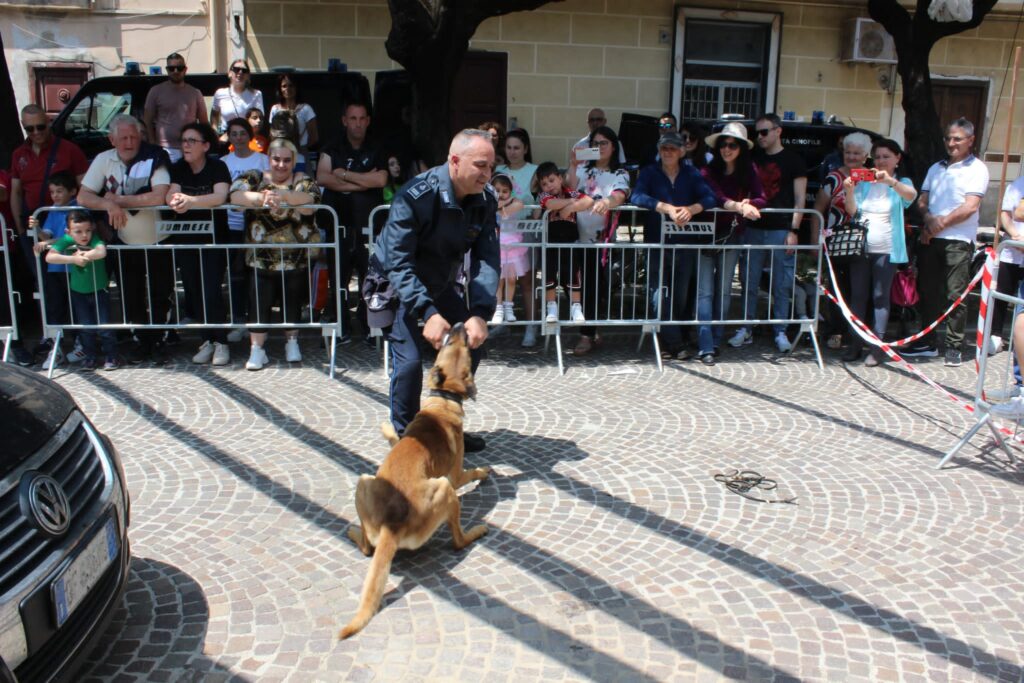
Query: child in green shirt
[{"x": 82, "y": 250}]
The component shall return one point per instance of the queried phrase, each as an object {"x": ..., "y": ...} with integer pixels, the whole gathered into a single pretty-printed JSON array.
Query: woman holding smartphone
[{"x": 881, "y": 199}]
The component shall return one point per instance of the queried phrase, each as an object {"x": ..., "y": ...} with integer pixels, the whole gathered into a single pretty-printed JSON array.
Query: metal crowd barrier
[
  {"x": 1006, "y": 382},
  {"x": 155, "y": 258},
  {"x": 616, "y": 289},
  {"x": 9, "y": 322}
]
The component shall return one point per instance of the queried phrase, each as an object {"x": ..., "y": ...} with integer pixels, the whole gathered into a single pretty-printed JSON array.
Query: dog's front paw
[{"x": 481, "y": 473}]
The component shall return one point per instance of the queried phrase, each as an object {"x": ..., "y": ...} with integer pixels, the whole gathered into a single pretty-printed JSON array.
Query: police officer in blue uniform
[{"x": 436, "y": 219}]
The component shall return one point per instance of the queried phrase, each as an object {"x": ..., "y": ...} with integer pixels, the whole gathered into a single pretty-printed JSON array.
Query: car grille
[{"x": 76, "y": 465}]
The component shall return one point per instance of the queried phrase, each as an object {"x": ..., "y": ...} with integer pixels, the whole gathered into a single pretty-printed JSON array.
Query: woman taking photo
[
  {"x": 881, "y": 203},
  {"x": 734, "y": 181},
  {"x": 831, "y": 203},
  {"x": 520, "y": 168},
  {"x": 604, "y": 181},
  {"x": 290, "y": 99},
  {"x": 274, "y": 219},
  {"x": 234, "y": 101}
]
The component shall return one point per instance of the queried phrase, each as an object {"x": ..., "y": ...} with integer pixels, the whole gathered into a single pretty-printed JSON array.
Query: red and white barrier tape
[{"x": 865, "y": 332}]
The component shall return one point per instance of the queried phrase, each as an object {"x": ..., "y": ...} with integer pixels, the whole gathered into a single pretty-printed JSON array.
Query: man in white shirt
[
  {"x": 950, "y": 201},
  {"x": 595, "y": 119}
]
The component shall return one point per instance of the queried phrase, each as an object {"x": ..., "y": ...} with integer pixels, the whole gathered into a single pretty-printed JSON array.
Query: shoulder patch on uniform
[{"x": 419, "y": 189}]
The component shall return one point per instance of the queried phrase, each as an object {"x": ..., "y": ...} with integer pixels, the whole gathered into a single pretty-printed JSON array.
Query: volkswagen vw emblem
[{"x": 43, "y": 502}]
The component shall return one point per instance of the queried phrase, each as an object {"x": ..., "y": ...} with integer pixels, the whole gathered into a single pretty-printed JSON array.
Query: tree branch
[{"x": 893, "y": 17}]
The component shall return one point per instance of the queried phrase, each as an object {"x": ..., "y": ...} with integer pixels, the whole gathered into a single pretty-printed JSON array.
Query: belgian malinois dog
[{"x": 414, "y": 489}]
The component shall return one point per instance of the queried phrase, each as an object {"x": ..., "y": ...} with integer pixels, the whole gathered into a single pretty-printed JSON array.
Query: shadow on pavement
[{"x": 160, "y": 626}]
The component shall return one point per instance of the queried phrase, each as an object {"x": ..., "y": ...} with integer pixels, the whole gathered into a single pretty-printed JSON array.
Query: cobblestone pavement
[{"x": 612, "y": 552}]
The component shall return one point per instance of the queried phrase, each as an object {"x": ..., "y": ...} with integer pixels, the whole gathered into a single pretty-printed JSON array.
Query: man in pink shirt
[{"x": 172, "y": 104}]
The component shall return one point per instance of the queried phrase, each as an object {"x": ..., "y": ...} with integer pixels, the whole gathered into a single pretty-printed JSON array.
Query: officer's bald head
[{"x": 470, "y": 160}]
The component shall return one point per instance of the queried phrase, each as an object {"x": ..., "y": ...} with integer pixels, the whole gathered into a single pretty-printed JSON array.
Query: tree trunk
[
  {"x": 914, "y": 37},
  {"x": 430, "y": 38},
  {"x": 10, "y": 123}
]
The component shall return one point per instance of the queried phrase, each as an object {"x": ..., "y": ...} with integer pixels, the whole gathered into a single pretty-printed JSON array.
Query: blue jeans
[
  {"x": 405, "y": 337},
  {"x": 668, "y": 294},
  {"x": 714, "y": 288},
  {"x": 782, "y": 269},
  {"x": 93, "y": 309}
]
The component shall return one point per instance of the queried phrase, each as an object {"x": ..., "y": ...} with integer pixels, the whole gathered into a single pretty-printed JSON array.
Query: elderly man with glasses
[
  {"x": 172, "y": 104},
  {"x": 950, "y": 201}
]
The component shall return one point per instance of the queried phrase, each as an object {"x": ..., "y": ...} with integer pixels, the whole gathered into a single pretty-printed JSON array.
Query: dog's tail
[
  {"x": 388, "y": 430},
  {"x": 373, "y": 587}
]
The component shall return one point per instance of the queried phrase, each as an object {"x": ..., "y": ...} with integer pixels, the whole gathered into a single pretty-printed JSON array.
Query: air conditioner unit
[{"x": 867, "y": 41}]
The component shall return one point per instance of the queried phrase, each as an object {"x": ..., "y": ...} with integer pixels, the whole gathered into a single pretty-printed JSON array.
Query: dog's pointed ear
[{"x": 437, "y": 377}]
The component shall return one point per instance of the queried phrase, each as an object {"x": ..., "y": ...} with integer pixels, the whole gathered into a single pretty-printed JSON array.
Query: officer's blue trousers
[{"x": 406, "y": 337}]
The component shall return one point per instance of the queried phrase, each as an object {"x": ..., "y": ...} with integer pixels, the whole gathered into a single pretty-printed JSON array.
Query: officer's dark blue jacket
[{"x": 425, "y": 240}]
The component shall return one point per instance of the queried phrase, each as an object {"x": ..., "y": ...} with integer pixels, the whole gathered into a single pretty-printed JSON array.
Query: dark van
[{"x": 86, "y": 118}]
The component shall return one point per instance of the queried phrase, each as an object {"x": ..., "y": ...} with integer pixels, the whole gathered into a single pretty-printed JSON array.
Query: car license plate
[{"x": 70, "y": 588}]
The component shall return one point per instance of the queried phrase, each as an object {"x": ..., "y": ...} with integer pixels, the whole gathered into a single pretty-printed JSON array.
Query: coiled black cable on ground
[{"x": 743, "y": 482}]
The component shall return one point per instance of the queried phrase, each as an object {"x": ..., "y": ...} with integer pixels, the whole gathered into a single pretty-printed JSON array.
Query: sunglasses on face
[
  {"x": 240, "y": 69},
  {"x": 173, "y": 69},
  {"x": 763, "y": 132},
  {"x": 729, "y": 145},
  {"x": 36, "y": 129},
  {"x": 594, "y": 119},
  {"x": 192, "y": 141},
  {"x": 666, "y": 124}
]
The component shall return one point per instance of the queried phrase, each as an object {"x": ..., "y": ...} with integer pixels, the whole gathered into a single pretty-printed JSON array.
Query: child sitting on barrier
[
  {"x": 85, "y": 252},
  {"x": 515, "y": 258},
  {"x": 563, "y": 264},
  {"x": 63, "y": 189}
]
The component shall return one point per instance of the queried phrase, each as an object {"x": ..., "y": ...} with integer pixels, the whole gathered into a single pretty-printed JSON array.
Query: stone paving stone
[{"x": 612, "y": 553}]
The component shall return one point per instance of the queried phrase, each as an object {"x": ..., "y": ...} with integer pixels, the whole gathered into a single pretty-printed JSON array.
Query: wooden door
[
  {"x": 481, "y": 90},
  {"x": 954, "y": 99},
  {"x": 56, "y": 83}
]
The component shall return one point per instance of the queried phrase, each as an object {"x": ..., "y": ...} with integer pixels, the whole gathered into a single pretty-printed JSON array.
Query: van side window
[{"x": 93, "y": 114}]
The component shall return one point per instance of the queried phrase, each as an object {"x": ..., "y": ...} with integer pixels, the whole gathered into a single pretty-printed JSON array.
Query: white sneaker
[
  {"x": 257, "y": 358},
  {"x": 530, "y": 338},
  {"x": 782, "y": 343},
  {"x": 576, "y": 313},
  {"x": 238, "y": 334},
  {"x": 57, "y": 356},
  {"x": 1011, "y": 410},
  {"x": 510, "y": 314},
  {"x": 552, "y": 316},
  {"x": 995, "y": 345},
  {"x": 76, "y": 355},
  {"x": 741, "y": 338},
  {"x": 221, "y": 354},
  {"x": 499, "y": 315},
  {"x": 205, "y": 353},
  {"x": 291, "y": 351}
]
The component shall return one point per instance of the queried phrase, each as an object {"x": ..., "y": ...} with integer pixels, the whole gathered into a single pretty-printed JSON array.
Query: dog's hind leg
[
  {"x": 460, "y": 538},
  {"x": 359, "y": 538}
]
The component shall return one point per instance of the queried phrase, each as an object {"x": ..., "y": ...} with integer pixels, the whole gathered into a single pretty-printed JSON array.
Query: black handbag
[{"x": 848, "y": 240}]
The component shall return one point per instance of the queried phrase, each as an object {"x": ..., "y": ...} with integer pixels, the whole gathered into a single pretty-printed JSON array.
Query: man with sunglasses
[
  {"x": 33, "y": 163},
  {"x": 172, "y": 104},
  {"x": 784, "y": 178}
]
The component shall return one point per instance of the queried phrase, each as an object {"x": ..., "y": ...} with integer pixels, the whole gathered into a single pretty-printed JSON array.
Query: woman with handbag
[
  {"x": 831, "y": 203},
  {"x": 881, "y": 203},
  {"x": 734, "y": 180}
]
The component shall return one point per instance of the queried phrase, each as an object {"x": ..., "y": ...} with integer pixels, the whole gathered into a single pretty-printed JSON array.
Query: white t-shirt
[
  {"x": 597, "y": 184},
  {"x": 107, "y": 173},
  {"x": 948, "y": 186},
  {"x": 237, "y": 166},
  {"x": 303, "y": 115},
  {"x": 1011, "y": 198},
  {"x": 231, "y": 105},
  {"x": 876, "y": 210}
]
